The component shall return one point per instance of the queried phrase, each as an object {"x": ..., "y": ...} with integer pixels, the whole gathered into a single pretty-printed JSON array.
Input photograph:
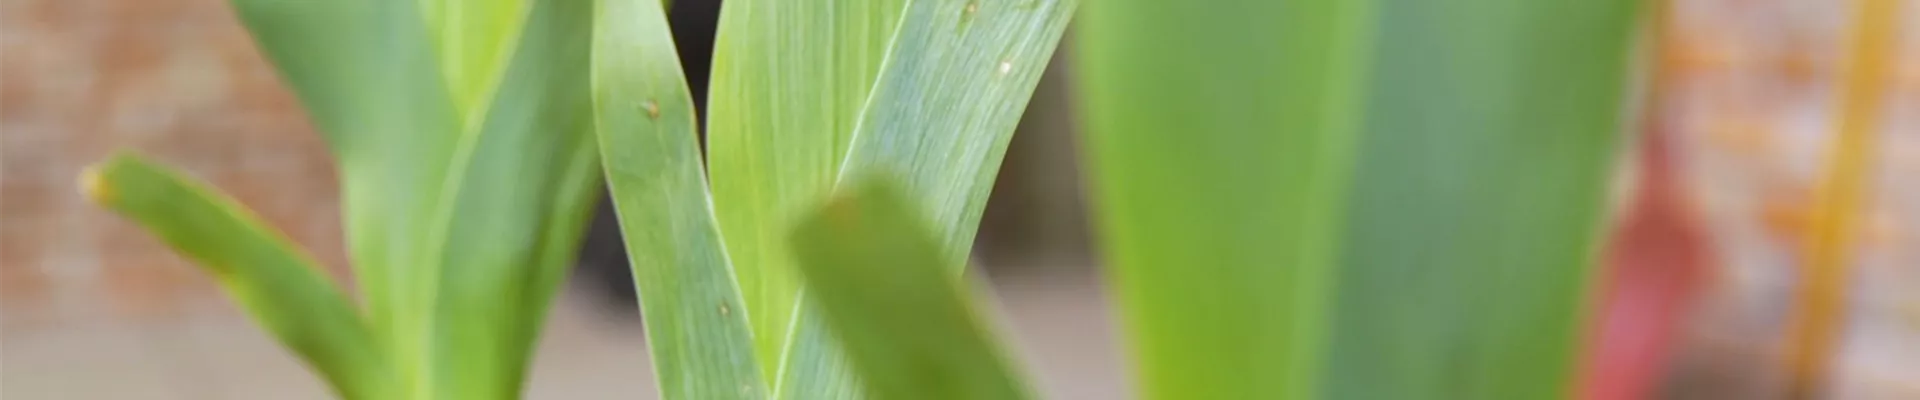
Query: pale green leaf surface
[
  {"x": 523, "y": 186},
  {"x": 473, "y": 39},
  {"x": 365, "y": 72},
  {"x": 1441, "y": 246},
  {"x": 1478, "y": 197},
  {"x": 957, "y": 78},
  {"x": 280, "y": 286},
  {"x": 466, "y": 167},
  {"x": 789, "y": 80},
  {"x": 1219, "y": 135},
  {"x": 887, "y": 290},
  {"x": 696, "y": 322}
]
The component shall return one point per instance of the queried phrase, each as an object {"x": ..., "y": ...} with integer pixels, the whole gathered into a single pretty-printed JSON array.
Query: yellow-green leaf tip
[{"x": 93, "y": 184}]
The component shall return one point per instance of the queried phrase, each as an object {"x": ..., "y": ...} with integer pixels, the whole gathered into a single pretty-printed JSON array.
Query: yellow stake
[{"x": 1819, "y": 310}]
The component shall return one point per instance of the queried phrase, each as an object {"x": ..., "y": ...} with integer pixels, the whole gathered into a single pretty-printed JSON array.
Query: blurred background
[{"x": 1712, "y": 205}]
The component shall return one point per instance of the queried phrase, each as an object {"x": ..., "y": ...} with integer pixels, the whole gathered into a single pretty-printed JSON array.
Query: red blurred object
[{"x": 1656, "y": 262}]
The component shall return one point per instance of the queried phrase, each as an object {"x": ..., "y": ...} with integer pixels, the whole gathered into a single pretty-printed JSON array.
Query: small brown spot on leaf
[{"x": 653, "y": 109}]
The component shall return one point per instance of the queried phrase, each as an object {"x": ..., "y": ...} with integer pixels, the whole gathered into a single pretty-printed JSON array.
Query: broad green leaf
[
  {"x": 280, "y": 286},
  {"x": 1220, "y": 135},
  {"x": 1478, "y": 197},
  {"x": 1431, "y": 235},
  {"x": 696, "y": 321},
  {"x": 956, "y": 78},
  {"x": 789, "y": 80},
  {"x": 888, "y": 292}
]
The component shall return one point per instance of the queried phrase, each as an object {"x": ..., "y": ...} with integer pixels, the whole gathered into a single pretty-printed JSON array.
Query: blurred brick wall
[{"x": 177, "y": 80}]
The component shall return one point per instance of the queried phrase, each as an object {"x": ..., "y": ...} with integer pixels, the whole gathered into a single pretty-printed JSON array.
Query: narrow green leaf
[
  {"x": 789, "y": 80},
  {"x": 280, "y": 286},
  {"x": 521, "y": 187},
  {"x": 887, "y": 291},
  {"x": 697, "y": 323},
  {"x": 956, "y": 79},
  {"x": 1478, "y": 197},
  {"x": 1220, "y": 136}
]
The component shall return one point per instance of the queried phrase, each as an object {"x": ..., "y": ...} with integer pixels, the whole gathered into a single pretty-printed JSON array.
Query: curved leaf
[
  {"x": 697, "y": 323},
  {"x": 280, "y": 286}
]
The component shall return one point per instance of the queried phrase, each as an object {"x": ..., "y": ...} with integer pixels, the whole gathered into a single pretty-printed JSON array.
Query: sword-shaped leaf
[
  {"x": 280, "y": 286},
  {"x": 697, "y": 325}
]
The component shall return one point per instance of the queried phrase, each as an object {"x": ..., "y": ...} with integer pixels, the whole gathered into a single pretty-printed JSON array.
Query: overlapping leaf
[
  {"x": 802, "y": 99},
  {"x": 789, "y": 81},
  {"x": 697, "y": 324},
  {"x": 460, "y": 131},
  {"x": 886, "y": 288}
]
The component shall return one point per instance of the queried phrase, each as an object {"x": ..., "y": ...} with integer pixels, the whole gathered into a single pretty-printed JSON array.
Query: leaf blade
[
  {"x": 364, "y": 70},
  {"x": 1478, "y": 197},
  {"x": 474, "y": 40},
  {"x": 955, "y": 81},
  {"x": 697, "y": 325},
  {"x": 1465, "y": 197},
  {"x": 520, "y": 188},
  {"x": 281, "y": 287},
  {"x": 1219, "y": 137},
  {"x": 886, "y": 291},
  {"x": 775, "y": 145}
]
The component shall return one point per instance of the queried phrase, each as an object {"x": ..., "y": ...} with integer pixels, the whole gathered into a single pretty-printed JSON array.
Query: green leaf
[
  {"x": 697, "y": 323},
  {"x": 1478, "y": 197},
  {"x": 956, "y": 77},
  {"x": 1354, "y": 200},
  {"x": 473, "y": 39},
  {"x": 461, "y": 131},
  {"x": 953, "y": 87},
  {"x": 280, "y": 286},
  {"x": 887, "y": 290},
  {"x": 789, "y": 80},
  {"x": 519, "y": 190},
  {"x": 1220, "y": 135},
  {"x": 365, "y": 72}
]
